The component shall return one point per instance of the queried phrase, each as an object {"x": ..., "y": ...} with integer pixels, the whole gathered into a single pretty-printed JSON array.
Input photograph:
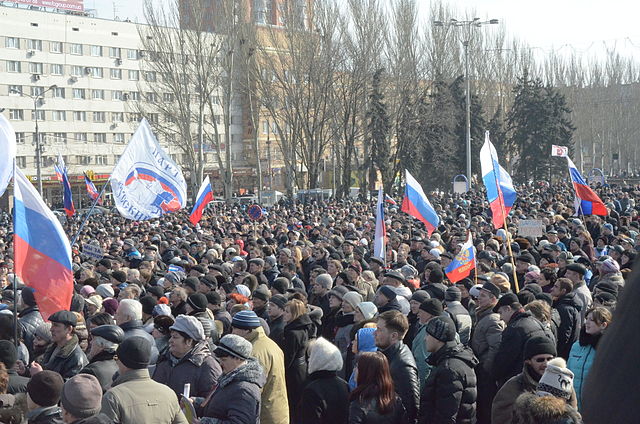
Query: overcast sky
[{"x": 584, "y": 25}]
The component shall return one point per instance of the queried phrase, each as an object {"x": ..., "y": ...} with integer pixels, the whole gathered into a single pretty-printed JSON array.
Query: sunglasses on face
[{"x": 546, "y": 359}]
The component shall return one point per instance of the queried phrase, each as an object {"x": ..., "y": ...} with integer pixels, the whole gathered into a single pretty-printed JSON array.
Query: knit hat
[
  {"x": 610, "y": 266},
  {"x": 338, "y": 291},
  {"x": 278, "y": 300},
  {"x": 420, "y": 296},
  {"x": 324, "y": 356},
  {"x": 436, "y": 276},
  {"x": 533, "y": 288},
  {"x": 442, "y": 328},
  {"x": 45, "y": 387},
  {"x": 110, "y": 306},
  {"x": 280, "y": 284},
  {"x": 197, "y": 301},
  {"x": 539, "y": 345},
  {"x": 262, "y": 293},
  {"x": 246, "y": 320},
  {"x": 387, "y": 292},
  {"x": 8, "y": 353},
  {"x": 234, "y": 345},
  {"x": 191, "y": 282},
  {"x": 189, "y": 325},
  {"x": 557, "y": 380},
  {"x": 27, "y": 296},
  {"x": 452, "y": 294},
  {"x": 105, "y": 290},
  {"x": 432, "y": 306},
  {"x": 148, "y": 302},
  {"x": 87, "y": 290},
  {"x": 324, "y": 280},
  {"x": 134, "y": 352},
  {"x": 352, "y": 298},
  {"x": 368, "y": 309},
  {"x": 94, "y": 300},
  {"x": 43, "y": 331},
  {"x": 82, "y": 396},
  {"x": 435, "y": 290}
]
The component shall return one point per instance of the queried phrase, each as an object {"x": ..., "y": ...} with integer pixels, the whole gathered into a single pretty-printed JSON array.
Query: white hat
[{"x": 557, "y": 380}]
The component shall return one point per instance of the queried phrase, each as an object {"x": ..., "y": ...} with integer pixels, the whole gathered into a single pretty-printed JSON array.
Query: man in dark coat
[
  {"x": 386, "y": 300},
  {"x": 449, "y": 394},
  {"x": 521, "y": 326},
  {"x": 392, "y": 326},
  {"x": 9, "y": 356},
  {"x": 44, "y": 391},
  {"x": 29, "y": 317},
  {"x": 102, "y": 365},
  {"x": 275, "y": 308},
  {"x": 568, "y": 307}
]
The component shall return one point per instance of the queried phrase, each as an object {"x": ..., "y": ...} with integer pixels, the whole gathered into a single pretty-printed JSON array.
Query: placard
[{"x": 531, "y": 227}]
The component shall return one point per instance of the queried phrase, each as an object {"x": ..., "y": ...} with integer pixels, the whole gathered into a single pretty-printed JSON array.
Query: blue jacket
[{"x": 581, "y": 357}]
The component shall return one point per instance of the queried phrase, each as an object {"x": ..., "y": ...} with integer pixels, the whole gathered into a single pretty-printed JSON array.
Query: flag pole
[
  {"x": 15, "y": 277},
  {"x": 86, "y": 218}
]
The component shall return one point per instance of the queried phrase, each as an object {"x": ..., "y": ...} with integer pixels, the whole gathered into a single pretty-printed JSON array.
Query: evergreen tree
[{"x": 378, "y": 128}]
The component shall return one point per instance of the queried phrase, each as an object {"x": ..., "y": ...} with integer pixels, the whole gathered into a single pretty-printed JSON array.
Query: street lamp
[
  {"x": 468, "y": 25},
  {"x": 37, "y": 136}
]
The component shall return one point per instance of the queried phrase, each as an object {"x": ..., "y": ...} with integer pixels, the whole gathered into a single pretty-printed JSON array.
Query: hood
[
  {"x": 302, "y": 322},
  {"x": 453, "y": 350},
  {"x": 570, "y": 300},
  {"x": 250, "y": 372}
]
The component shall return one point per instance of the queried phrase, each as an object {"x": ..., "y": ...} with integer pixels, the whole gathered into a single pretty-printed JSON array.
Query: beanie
[
  {"x": 353, "y": 299},
  {"x": 214, "y": 298},
  {"x": 45, "y": 387},
  {"x": 432, "y": 306},
  {"x": 262, "y": 293},
  {"x": 278, "y": 300},
  {"x": 82, "y": 396},
  {"x": 420, "y": 296},
  {"x": 110, "y": 306},
  {"x": 280, "y": 284},
  {"x": 452, "y": 294},
  {"x": 557, "y": 380},
  {"x": 8, "y": 353},
  {"x": 197, "y": 301},
  {"x": 148, "y": 302},
  {"x": 324, "y": 356},
  {"x": 442, "y": 328},
  {"x": 436, "y": 276},
  {"x": 388, "y": 292},
  {"x": 539, "y": 345},
  {"x": 27, "y": 296},
  {"x": 368, "y": 309},
  {"x": 246, "y": 320},
  {"x": 134, "y": 352}
]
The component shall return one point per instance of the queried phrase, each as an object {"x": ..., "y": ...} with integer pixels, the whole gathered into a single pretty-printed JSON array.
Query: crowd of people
[{"x": 292, "y": 319}]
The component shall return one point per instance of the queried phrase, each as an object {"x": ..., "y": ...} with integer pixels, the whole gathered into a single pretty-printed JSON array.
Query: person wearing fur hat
[
  {"x": 530, "y": 408},
  {"x": 538, "y": 353},
  {"x": 274, "y": 402},
  {"x": 325, "y": 396}
]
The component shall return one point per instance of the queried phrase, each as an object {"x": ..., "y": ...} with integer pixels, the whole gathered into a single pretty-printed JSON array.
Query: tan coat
[
  {"x": 275, "y": 407},
  {"x": 135, "y": 398}
]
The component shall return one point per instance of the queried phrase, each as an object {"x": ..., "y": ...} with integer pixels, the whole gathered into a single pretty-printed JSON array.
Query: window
[
  {"x": 59, "y": 93},
  {"x": 42, "y": 138},
  {"x": 260, "y": 12},
  {"x": 134, "y": 95},
  {"x": 134, "y": 117},
  {"x": 118, "y": 137},
  {"x": 13, "y": 66},
  {"x": 60, "y": 137},
  {"x": 167, "y": 97},
  {"x": 80, "y": 137},
  {"x": 169, "y": 118},
  {"x": 101, "y": 159},
  {"x": 55, "y": 46},
  {"x": 100, "y": 137},
  {"x": 133, "y": 54},
  {"x": 56, "y": 68},
  {"x": 12, "y": 42},
  {"x": 15, "y": 90},
  {"x": 37, "y": 91},
  {"x": 83, "y": 160},
  {"x": 117, "y": 116},
  {"x": 34, "y": 45},
  {"x": 76, "y": 71},
  {"x": 99, "y": 116},
  {"x": 117, "y": 95},
  {"x": 39, "y": 114},
  {"x": 21, "y": 161},
  {"x": 133, "y": 75},
  {"x": 153, "y": 117},
  {"x": 59, "y": 115},
  {"x": 265, "y": 127},
  {"x": 76, "y": 49},
  {"x": 97, "y": 94},
  {"x": 151, "y": 97},
  {"x": 80, "y": 116},
  {"x": 20, "y": 138},
  {"x": 16, "y": 114},
  {"x": 96, "y": 50},
  {"x": 79, "y": 93},
  {"x": 97, "y": 72},
  {"x": 115, "y": 52},
  {"x": 36, "y": 67},
  {"x": 115, "y": 73},
  {"x": 150, "y": 76}
]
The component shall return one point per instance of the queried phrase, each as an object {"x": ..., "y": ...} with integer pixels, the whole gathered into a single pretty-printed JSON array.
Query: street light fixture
[
  {"x": 467, "y": 25},
  {"x": 37, "y": 135}
]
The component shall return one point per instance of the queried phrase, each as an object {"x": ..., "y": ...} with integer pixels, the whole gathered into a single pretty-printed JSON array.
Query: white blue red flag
[
  {"x": 463, "y": 263},
  {"x": 92, "y": 191},
  {"x": 380, "y": 240},
  {"x": 416, "y": 204},
  {"x": 389, "y": 199},
  {"x": 205, "y": 195},
  {"x": 8, "y": 156},
  {"x": 67, "y": 193},
  {"x": 500, "y": 191},
  {"x": 146, "y": 182},
  {"x": 588, "y": 202},
  {"x": 41, "y": 248}
]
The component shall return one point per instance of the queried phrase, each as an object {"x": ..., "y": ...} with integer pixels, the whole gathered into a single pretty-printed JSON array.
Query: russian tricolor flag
[
  {"x": 588, "y": 201},
  {"x": 41, "y": 248},
  {"x": 389, "y": 199},
  {"x": 463, "y": 263},
  {"x": 92, "y": 191},
  {"x": 205, "y": 195},
  {"x": 500, "y": 191},
  {"x": 67, "y": 193},
  {"x": 416, "y": 204},
  {"x": 380, "y": 239}
]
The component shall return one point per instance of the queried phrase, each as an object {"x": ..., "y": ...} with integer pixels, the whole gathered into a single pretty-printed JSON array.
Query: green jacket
[{"x": 135, "y": 398}]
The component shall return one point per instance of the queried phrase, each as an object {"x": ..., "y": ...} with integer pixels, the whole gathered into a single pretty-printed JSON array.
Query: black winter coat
[
  {"x": 30, "y": 319},
  {"x": 103, "y": 367},
  {"x": 49, "y": 415},
  {"x": 366, "y": 412},
  {"x": 296, "y": 340},
  {"x": 509, "y": 358},
  {"x": 68, "y": 361},
  {"x": 392, "y": 305},
  {"x": 276, "y": 332},
  {"x": 134, "y": 328},
  {"x": 325, "y": 399},
  {"x": 405, "y": 377},
  {"x": 17, "y": 383},
  {"x": 568, "y": 307}
]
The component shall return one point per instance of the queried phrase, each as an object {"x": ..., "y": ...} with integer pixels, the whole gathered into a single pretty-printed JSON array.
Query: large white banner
[
  {"x": 8, "y": 150},
  {"x": 146, "y": 182}
]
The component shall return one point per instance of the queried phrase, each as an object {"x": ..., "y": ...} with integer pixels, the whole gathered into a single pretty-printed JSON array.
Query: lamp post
[
  {"x": 468, "y": 25},
  {"x": 37, "y": 135}
]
